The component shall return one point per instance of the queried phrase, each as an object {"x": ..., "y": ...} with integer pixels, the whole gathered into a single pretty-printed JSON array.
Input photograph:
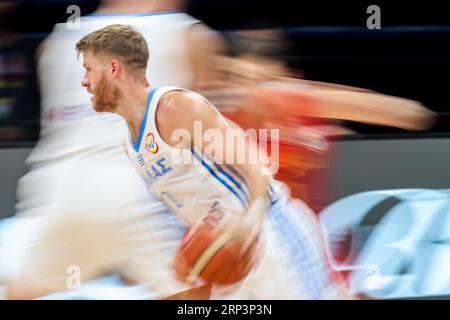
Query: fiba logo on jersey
[{"x": 151, "y": 144}]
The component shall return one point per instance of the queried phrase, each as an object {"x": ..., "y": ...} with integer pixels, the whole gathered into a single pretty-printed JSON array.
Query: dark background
[{"x": 329, "y": 41}]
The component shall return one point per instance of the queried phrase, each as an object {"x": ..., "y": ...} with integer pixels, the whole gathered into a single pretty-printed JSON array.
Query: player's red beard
[{"x": 106, "y": 96}]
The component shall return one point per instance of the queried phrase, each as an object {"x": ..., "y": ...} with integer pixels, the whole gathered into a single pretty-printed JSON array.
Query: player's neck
[{"x": 132, "y": 108}]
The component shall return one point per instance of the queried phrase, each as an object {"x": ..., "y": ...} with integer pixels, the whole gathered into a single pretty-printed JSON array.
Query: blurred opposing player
[
  {"x": 82, "y": 205},
  {"x": 293, "y": 264},
  {"x": 255, "y": 89}
]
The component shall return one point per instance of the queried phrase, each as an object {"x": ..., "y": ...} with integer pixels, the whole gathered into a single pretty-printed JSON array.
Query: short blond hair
[{"x": 118, "y": 41}]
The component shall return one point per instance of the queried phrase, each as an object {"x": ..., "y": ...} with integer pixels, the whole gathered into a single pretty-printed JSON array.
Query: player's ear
[{"x": 115, "y": 67}]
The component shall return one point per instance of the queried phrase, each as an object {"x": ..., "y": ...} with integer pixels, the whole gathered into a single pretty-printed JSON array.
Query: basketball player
[
  {"x": 256, "y": 90},
  {"x": 82, "y": 204},
  {"x": 70, "y": 204},
  {"x": 293, "y": 264}
]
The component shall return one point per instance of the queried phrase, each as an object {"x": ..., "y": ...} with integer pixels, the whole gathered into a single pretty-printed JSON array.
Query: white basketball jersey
[
  {"x": 69, "y": 124},
  {"x": 190, "y": 183}
]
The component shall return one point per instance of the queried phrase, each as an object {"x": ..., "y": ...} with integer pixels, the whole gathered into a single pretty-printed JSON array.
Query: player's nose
[{"x": 85, "y": 82}]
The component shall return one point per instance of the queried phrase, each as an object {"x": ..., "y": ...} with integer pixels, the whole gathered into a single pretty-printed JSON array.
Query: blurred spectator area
[
  {"x": 408, "y": 57},
  {"x": 23, "y": 25}
]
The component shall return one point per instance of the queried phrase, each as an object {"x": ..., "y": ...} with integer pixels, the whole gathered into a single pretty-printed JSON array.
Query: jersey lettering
[{"x": 156, "y": 171}]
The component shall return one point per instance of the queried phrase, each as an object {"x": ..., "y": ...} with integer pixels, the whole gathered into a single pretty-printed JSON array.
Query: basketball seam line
[{"x": 207, "y": 255}]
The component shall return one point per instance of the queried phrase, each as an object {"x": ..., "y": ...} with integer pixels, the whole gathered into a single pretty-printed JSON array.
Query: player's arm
[
  {"x": 183, "y": 110},
  {"x": 373, "y": 108},
  {"x": 332, "y": 101}
]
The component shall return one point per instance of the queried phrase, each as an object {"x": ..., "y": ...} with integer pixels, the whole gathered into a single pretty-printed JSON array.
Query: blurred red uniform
[{"x": 304, "y": 150}]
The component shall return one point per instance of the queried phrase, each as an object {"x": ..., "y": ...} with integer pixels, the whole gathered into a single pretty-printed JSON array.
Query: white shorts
[{"x": 94, "y": 218}]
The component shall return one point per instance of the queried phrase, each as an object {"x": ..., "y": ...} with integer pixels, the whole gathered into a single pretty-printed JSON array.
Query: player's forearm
[
  {"x": 256, "y": 176},
  {"x": 373, "y": 108},
  {"x": 258, "y": 182},
  {"x": 256, "y": 213}
]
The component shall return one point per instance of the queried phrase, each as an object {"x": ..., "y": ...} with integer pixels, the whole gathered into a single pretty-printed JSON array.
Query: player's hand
[
  {"x": 221, "y": 254},
  {"x": 252, "y": 224}
]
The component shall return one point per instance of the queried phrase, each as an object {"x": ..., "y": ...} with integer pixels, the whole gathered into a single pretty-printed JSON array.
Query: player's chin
[{"x": 98, "y": 107}]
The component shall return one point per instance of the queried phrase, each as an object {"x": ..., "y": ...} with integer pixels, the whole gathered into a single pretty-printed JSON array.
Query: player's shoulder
[{"x": 181, "y": 103}]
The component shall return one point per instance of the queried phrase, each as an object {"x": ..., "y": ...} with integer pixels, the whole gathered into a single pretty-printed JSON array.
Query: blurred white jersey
[
  {"x": 194, "y": 186},
  {"x": 66, "y": 111},
  {"x": 187, "y": 180},
  {"x": 190, "y": 183},
  {"x": 91, "y": 208}
]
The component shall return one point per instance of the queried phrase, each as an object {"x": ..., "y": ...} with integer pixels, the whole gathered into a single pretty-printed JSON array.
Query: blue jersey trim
[
  {"x": 144, "y": 121},
  {"x": 271, "y": 192},
  {"x": 237, "y": 179},
  {"x": 237, "y": 184},
  {"x": 228, "y": 175},
  {"x": 214, "y": 174},
  {"x": 237, "y": 174}
]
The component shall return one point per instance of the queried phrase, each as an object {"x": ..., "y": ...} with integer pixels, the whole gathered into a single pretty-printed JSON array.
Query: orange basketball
[{"x": 218, "y": 258}]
